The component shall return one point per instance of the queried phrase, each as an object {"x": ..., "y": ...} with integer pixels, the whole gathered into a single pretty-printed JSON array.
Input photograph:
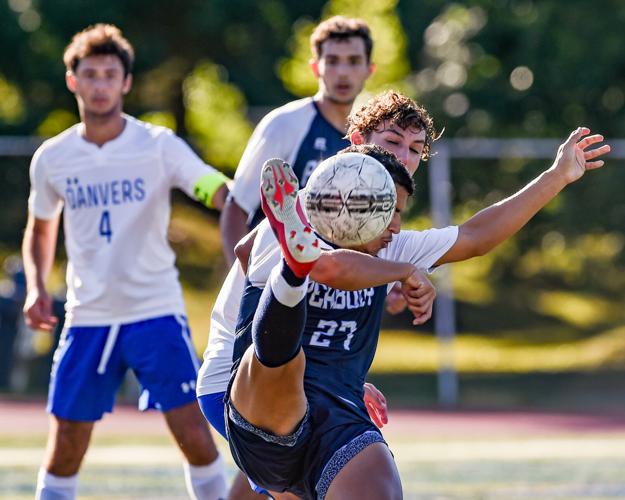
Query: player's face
[
  {"x": 382, "y": 241},
  {"x": 407, "y": 144},
  {"x": 342, "y": 69},
  {"x": 99, "y": 85}
]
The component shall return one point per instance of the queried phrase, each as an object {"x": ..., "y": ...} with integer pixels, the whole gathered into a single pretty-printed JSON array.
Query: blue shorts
[
  {"x": 212, "y": 406},
  {"x": 91, "y": 361},
  {"x": 305, "y": 462}
]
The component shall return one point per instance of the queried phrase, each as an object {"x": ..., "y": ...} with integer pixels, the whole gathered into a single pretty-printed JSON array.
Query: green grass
[{"x": 570, "y": 467}]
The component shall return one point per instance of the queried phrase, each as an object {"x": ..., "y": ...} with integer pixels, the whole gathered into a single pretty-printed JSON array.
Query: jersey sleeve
[
  {"x": 265, "y": 255},
  {"x": 188, "y": 172},
  {"x": 421, "y": 248},
  {"x": 268, "y": 141},
  {"x": 43, "y": 202}
]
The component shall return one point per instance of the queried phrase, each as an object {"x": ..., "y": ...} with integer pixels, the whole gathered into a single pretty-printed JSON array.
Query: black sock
[
  {"x": 289, "y": 276},
  {"x": 277, "y": 329}
]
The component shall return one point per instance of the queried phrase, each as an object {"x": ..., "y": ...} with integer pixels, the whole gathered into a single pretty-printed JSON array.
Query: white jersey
[
  {"x": 298, "y": 134},
  {"x": 215, "y": 370},
  {"x": 116, "y": 201},
  {"x": 420, "y": 248}
]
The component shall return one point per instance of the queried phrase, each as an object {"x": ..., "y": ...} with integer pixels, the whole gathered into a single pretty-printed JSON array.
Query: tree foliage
[{"x": 491, "y": 68}]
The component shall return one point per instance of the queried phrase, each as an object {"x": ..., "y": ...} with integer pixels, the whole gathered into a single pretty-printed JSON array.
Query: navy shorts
[
  {"x": 91, "y": 361},
  {"x": 306, "y": 461}
]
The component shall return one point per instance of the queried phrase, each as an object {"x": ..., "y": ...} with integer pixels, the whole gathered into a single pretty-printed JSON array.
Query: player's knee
[
  {"x": 192, "y": 435},
  {"x": 198, "y": 454},
  {"x": 67, "y": 448}
]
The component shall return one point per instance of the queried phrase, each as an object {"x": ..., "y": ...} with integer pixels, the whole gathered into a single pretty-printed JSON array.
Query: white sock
[
  {"x": 206, "y": 482},
  {"x": 286, "y": 294},
  {"x": 51, "y": 487}
]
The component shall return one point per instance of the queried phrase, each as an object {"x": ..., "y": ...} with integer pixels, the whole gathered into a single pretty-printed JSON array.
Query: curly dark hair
[
  {"x": 396, "y": 108},
  {"x": 398, "y": 171},
  {"x": 340, "y": 28},
  {"x": 99, "y": 39}
]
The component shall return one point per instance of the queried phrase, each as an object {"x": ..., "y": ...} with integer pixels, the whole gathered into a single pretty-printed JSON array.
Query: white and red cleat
[{"x": 281, "y": 205}]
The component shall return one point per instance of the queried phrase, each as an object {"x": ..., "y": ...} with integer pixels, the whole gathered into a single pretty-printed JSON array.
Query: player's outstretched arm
[
  {"x": 493, "y": 225},
  {"x": 351, "y": 270},
  {"x": 38, "y": 250}
]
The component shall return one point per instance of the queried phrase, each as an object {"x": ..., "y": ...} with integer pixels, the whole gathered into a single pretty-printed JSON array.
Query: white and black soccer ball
[{"x": 350, "y": 199}]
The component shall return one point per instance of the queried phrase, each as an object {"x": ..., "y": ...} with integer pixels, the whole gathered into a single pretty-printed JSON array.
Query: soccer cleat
[{"x": 281, "y": 205}]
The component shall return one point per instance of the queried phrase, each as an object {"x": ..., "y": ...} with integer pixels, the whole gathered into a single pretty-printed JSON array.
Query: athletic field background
[{"x": 463, "y": 456}]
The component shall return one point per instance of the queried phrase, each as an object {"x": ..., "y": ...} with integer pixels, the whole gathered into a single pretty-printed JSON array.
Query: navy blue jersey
[
  {"x": 340, "y": 339},
  {"x": 320, "y": 142}
]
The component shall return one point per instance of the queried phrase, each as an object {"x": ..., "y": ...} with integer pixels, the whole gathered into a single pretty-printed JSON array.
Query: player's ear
[
  {"x": 372, "y": 68},
  {"x": 314, "y": 66},
  {"x": 356, "y": 138},
  {"x": 70, "y": 81},
  {"x": 127, "y": 84}
]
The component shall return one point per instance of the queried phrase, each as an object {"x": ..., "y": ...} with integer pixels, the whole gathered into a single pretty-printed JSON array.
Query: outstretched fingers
[
  {"x": 576, "y": 135},
  {"x": 590, "y": 165},
  {"x": 589, "y": 140},
  {"x": 593, "y": 153}
]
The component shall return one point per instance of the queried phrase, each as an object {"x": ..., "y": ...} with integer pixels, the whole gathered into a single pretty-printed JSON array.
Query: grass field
[{"x": 440, "y": 456}]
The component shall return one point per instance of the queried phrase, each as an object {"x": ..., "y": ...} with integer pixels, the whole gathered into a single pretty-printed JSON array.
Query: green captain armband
[{"x": 206, "y": 187}]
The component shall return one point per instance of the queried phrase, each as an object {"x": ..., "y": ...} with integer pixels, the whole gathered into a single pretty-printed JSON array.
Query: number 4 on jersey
[{"x": 105, "y": 226}]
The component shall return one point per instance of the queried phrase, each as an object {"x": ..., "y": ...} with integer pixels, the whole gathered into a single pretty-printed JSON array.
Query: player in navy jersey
[
  {"x": 401, "y": 126},
  {"x": 111, "y": 175},
  {"x": 295, "y": 418},
  {"x": 306, "y": 131}
]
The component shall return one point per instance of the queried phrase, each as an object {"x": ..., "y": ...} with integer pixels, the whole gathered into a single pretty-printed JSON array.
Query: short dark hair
[
  {"x": 99, "y": 39},
  {"x": 398, "y": 171},
  {"x": 340, "y": 28},
  {"x": 396, "y": 108}
]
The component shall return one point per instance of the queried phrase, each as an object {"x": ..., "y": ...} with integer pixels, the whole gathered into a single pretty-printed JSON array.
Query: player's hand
[
  {"x": 419, "y": 294},
  {"x": 574, "y": 158},
  {"x": 38, "y": 311},
  {"x": 375, "y": 402},
  {"x": 395, "y": 301}
]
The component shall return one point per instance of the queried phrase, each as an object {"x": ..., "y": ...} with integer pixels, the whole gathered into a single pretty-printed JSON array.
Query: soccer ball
[{"x": 350, "y": 199}]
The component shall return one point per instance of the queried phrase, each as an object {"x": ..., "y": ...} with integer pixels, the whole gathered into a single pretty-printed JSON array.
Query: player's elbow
[
  {"x": 479, "y": 249},
  {"x": 241, "y": 252},
  {"x": 473, "y": 244},
  {"x": 327, "y": 270}
]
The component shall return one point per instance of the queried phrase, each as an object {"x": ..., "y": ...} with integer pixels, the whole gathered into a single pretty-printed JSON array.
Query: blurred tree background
[{"x": 484, "y": 68}]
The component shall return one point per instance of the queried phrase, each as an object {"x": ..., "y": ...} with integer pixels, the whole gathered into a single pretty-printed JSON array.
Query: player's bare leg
[
  {"x": 268, "y": 390},
  {"x": 204, "y": 471},
  {"x": 241, "y": 489},
  {"x": 68, "y": 441},
  {"x": 370, "y": 475}
]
